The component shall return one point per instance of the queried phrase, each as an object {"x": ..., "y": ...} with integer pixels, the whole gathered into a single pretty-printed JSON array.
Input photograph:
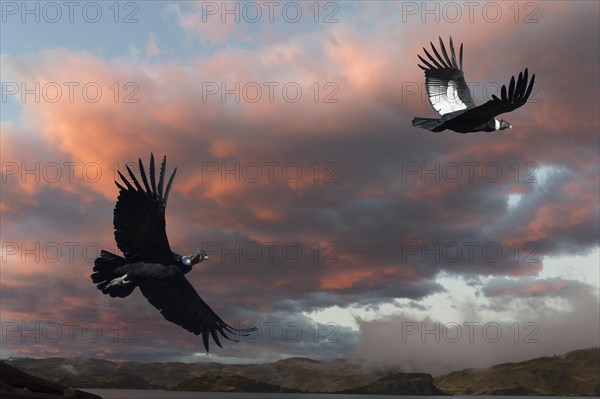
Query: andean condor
[
  {"x": 149, "y": 263},
  {"x": 449, "y": 95}
]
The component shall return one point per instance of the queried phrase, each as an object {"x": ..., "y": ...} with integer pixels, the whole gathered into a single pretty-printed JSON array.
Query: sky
[{"x": 331, "y": 224}]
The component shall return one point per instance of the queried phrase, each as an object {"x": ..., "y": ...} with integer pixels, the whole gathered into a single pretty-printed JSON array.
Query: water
[{"x": 156, "y": 394}]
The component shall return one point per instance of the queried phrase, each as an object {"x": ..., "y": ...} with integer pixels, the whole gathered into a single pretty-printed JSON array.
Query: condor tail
[
  {"x": 108, "y": 279},
  {"x": 428, "y": 123}
]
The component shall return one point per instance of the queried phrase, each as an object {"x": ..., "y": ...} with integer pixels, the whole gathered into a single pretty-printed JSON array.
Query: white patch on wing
[
  {"x": 496, "y": 124},
  {"x": 444, "y": 96},
  {"x": 118, "y": 281}
]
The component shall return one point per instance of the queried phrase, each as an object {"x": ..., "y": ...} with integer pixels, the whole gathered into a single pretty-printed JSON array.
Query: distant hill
[
  {"x": 17, "y": 384},
  {"x": 109, "y": 381},
  {"x": 234, "y": 383},
  {"x": 293, "y": 373},
  {"x": 399, "y": 384},
  {"x": 573, "y": 374}
]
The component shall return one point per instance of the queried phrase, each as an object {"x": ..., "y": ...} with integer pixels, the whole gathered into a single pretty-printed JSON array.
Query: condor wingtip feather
[
  {"x": 429, "y": 66},
  {"x": 446, "y": 58},
  {"x": 169, "y": 184},
  {"x": 143, "y": 174},
  {"x": 438, "y": 56},
  {"x": 452, "y": 53},
  {"x": 205, "y": 336},
  {"x": 530, "y": 88},
  {"x": 511, "y": 88},
  {"x": 438, "y": 62},
  {"x": 152, "y": 175},
  {"x": 432, "y": 59},
  {"x": 149, "y": 189},
  {"x": 134, "y": 179},
  {"x": 215, "y": 338},
  {"x": 161, "y": 178},
  {"x": 443, "y": 60},
  {"x": 129, "y": 186}
]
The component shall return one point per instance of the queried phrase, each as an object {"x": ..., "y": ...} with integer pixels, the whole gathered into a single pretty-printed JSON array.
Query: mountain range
[{"x": 574, "y": 373}]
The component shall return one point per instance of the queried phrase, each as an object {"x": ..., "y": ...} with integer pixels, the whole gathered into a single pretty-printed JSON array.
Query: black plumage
[
  {"x": 149, "y": 263},
  {"x": 449, "y": 95}
]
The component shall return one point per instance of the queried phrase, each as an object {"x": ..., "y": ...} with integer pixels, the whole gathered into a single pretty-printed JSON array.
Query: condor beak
[
  {"x": 199, "y": 256},
  {"x": 509, "y": 126}
]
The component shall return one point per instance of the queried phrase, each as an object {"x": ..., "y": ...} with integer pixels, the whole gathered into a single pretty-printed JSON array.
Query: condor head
[
  {"x": 504, "y": 125},
  {"x": 197, "y": 257}
]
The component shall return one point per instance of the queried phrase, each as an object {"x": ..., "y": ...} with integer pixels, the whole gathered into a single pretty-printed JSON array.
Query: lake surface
[
  {"x": 155, "y": 394},
  {"x": 152, "y": 394}
]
